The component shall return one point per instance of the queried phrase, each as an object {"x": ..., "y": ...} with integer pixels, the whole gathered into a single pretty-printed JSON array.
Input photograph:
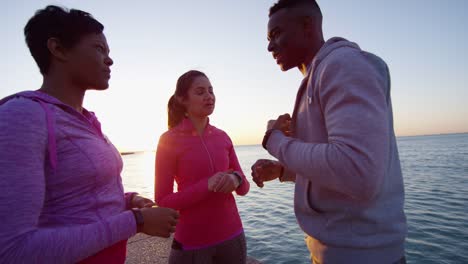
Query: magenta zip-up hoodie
[
  {"x": 61, "y": 193},
  {"x": 206, "y": 218}
]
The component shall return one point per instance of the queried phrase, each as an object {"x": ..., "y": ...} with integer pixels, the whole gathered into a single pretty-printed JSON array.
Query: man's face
[{"x": 286, "y": 39}]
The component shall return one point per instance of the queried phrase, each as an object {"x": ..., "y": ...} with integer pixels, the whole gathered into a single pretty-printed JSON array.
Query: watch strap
[
  {"x": 140, "y": 222},
  {"x": 241, "y": 179},
  {"x": 281, "y": 174}
]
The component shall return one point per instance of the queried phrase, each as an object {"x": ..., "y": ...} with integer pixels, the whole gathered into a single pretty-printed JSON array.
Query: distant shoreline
[
  {"x": 129, "y": 152},
  {"x": 427, "y": 135}
]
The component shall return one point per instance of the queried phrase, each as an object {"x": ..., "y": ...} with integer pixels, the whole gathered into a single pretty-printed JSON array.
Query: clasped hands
[{"x": 223, "y": 182}]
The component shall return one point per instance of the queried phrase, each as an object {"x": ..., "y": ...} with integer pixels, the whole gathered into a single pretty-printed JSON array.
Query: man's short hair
[
  {"x": 68, "y": 26},
  {"x": 281, "y": 4}
]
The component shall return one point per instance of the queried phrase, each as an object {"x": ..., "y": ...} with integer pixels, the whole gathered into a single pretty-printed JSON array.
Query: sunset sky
[{"x": 153, "y": 42}]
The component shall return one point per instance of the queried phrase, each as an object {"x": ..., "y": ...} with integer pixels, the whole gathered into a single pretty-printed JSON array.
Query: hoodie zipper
[{"x": 207, "y": 152}]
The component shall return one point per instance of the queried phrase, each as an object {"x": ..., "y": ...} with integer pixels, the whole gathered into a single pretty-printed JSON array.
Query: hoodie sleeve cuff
[
  {"x": 274, "y": 141},
  {"x": 287, "y": 175},
  {"x": 128, "y": 199}
]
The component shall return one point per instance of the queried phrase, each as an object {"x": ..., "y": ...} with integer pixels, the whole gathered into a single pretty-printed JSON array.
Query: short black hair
[
  {"x": 68, "y": 26},
  {"x": 281, "y": 4}
]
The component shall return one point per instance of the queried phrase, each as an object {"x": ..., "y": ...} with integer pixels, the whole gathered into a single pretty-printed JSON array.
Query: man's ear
[
  {"x": 56, "y": 49},
  {"x": 307, "y": 24}
]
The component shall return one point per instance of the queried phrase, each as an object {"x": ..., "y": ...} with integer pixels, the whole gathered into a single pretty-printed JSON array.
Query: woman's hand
[
  {"x": 159, "y": 221},
  {"x": 141, "y": 202},
  {"x": 223, "y": 182},
  {"x": 213, "y": 180}
]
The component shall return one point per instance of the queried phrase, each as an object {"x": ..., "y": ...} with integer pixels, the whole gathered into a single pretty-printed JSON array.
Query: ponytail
[{"x": 175, "y": 112}]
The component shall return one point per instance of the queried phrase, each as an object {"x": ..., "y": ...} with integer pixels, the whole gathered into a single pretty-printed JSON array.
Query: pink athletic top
[{"x": 206, "y": 218}]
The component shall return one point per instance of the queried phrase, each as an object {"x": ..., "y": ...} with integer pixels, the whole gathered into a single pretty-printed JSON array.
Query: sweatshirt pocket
[
  {"x": 311, "y": 219},
  {"x": 309, "y": 200}
]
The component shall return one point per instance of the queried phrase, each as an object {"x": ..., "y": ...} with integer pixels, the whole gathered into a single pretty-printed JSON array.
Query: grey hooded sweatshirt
[{"x": 349, "y": 191}]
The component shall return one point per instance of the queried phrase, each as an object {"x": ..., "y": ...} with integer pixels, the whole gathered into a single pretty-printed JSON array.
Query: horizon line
[{"x": 259, "y": 144}]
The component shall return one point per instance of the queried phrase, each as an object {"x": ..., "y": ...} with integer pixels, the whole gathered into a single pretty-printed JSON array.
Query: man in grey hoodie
[{"x": 339, "y": 146}]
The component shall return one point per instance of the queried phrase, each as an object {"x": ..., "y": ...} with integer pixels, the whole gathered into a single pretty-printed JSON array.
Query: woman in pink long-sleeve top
[
  {"x": 201, "y": 159},
  {"x": 62, "y": 199}
]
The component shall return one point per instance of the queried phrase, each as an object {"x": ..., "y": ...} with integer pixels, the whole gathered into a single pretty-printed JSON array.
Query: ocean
[{"x": 435, "y": 172}]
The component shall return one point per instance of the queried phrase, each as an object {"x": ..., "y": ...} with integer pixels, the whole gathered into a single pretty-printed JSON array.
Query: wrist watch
[
  {"x": 241, "y": 179},
  {"x": 140, "y": 222},
  {"x": 265, "y": 138},
  {"x": 280, "y": 178}
]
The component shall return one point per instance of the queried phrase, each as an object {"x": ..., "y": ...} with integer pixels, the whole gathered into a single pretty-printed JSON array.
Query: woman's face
[
  {"x": 200, "y": 100},
  {"x": 89, "y": 62}
]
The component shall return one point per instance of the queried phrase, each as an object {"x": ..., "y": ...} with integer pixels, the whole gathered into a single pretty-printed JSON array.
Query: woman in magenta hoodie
[
  {"x": 62, "y": 199},
  {"x": 201, "y": 159}
]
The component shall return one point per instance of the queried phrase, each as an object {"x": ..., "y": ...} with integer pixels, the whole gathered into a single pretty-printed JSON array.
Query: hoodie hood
[
  {"x": 44, "y": 100},
  {"x": 40, "y": 96},
  {"x": 329, "y": 46}
]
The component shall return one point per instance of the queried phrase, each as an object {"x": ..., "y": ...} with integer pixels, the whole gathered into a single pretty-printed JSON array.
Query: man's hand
[
  {"x": 266, "y": 170},
  {"x": 283, "y": 123},
  {"x": 141, "y": 202},
  {"x": 159, "y": 221}
]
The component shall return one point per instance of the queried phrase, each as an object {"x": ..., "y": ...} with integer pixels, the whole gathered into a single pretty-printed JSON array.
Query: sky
[{"x": 152, "y": 43}]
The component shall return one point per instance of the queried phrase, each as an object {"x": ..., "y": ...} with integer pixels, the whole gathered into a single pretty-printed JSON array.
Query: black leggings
[{"x": 233, "y": 251}]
